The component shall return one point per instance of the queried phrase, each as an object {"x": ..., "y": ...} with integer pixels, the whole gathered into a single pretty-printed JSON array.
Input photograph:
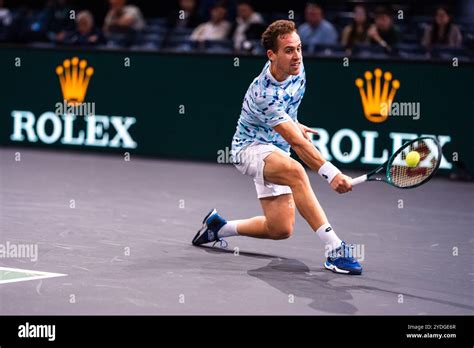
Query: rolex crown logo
[
  {"x": 74, "y": 76},
  {"x": 377, "y": 96}
]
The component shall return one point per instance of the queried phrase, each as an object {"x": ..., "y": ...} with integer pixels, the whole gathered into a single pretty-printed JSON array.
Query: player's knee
[
  {"x": 282, "y": 232},
  {"x": 297, "y": 173}
]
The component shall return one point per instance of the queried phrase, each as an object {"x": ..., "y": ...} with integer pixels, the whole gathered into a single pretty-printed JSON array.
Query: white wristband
[{"x": 328, "y": 171}]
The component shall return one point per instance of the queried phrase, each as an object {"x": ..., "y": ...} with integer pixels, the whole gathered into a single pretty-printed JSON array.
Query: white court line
[{"x": 38, "y": 275}]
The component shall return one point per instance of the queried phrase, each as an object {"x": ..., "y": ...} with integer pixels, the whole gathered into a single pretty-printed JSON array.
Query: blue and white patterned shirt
[{"x": 268, "y": 103}]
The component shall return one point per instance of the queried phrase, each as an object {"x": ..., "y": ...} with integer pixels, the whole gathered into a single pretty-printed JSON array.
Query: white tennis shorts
[{"x": 251, "y": 162}]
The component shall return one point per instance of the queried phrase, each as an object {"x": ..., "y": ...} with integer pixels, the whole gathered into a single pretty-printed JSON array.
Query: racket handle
[{"x": 359, "y": 179}]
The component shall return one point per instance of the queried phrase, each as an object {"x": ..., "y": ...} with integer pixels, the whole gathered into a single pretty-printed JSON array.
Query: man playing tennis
[{"x": 266, "y": 129}]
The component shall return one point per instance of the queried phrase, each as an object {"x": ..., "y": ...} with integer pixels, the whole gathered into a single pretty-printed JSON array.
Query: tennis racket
[{"x": 397, "y": 173}]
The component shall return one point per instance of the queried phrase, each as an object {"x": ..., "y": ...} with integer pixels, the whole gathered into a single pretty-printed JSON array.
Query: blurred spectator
[
  {"x": 316, "y": 30},
  {"x": 38, "y": 25},
  {"x": 33, "y": 25},
  {"x": 249, "y": 25},
  {"x": 5, "y": 22},
  {"x": 216, "y": 29},
  {"x": 443, "y": 31},
  {"x": 205, "y": 7},
  {"x": 356, "y": 32},
  {"x": 123, "y": 18},
  {"x": 5, "y": 15},
  {"x": 186, "y": 16},
  {"x": 59, "y": 17},
  {"x": 383, "y": 32},
  {"x": 85, "y": 34}
]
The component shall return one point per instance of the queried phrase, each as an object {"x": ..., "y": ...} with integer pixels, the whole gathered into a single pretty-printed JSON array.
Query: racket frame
[{"x": 386, "y": 166}]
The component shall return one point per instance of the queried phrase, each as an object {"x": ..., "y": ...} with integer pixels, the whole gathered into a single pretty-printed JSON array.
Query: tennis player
[{"x": 267, "y": 128}]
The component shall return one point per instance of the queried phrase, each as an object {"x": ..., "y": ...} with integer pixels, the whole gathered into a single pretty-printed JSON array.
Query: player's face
[{"x": 288, "y": 58}]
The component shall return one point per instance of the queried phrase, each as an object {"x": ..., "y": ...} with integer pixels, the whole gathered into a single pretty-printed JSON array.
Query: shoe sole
[
  {"x": 204, "y": 226},
  {"x": 335, "y": 269}
]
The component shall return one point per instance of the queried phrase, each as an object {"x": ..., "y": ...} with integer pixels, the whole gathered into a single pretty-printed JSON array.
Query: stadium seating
[
  {"x": 180, "y": 45},
  {"x": 448, "y": 53},
  {"x": 411, "y": 51},
  {"x": 218, "y": 46},
  {"x": 327, "y": 50},
  {"x": 31, "y": 27},
  {"x": 149, "y": 41}
]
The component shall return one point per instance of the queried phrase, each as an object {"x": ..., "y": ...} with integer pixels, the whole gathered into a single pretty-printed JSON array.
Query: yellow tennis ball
[{"x": 412, "y": 159}]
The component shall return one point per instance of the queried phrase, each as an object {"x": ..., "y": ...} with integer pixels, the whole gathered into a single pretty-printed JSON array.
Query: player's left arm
[
  {"x": 305, "y": 130},
  {"x": 312, "y": 157}
]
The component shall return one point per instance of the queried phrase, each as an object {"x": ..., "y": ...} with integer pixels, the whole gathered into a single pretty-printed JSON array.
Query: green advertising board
[{"x": 187, "y": 106}]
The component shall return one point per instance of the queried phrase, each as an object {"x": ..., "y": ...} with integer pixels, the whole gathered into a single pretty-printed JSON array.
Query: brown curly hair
[{"x": 274, "y": 31}]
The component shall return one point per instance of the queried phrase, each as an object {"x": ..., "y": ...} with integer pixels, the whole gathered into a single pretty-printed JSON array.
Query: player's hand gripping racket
[{"x": 410, "y": 166}]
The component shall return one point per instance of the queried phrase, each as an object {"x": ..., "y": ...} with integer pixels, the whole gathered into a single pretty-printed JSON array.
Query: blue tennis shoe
[
  {"x": 211, "y": 224},
  {"x": 341, "y": 260}
]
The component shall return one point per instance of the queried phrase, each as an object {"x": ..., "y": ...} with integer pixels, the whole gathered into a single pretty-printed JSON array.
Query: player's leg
[
  {"x": 276, "y": 201},
  {"x": 277, "y": 168},
  {"x": 274, "y": 174},
  {"x": 268, "y": 166},
  {"x": 277, "y": 222},
  {"x": 284, "y": 170}
]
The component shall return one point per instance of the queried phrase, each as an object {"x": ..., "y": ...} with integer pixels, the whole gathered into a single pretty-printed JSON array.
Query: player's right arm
[
  {"x": 272, "y": 112},
  {"x": 309, "y": 154}
]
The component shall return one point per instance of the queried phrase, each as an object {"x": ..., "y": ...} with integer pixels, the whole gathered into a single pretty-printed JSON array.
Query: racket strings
[{"x": 402, "y": 175}]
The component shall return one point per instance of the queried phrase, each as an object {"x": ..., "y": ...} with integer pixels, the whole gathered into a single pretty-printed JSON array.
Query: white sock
[
  {"x": 328, "y": 236},
  {"x": 228, "y": 230}
]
